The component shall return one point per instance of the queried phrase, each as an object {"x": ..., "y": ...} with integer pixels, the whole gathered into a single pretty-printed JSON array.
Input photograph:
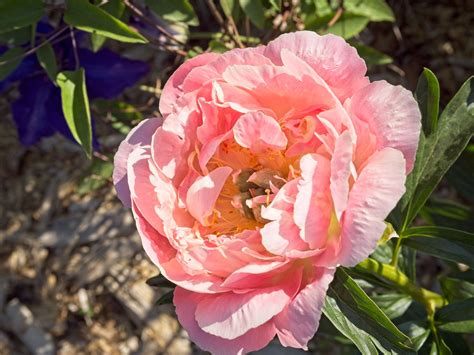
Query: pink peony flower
[{"x": 271, "y": 166}]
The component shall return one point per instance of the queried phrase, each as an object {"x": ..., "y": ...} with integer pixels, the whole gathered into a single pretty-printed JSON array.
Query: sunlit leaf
[
  {"x": 175, "y": 11},
  {"x": 427, "y": 95},
  {"x": 116, "y": 9},
  {"x": 47, "y": 60},
  {"x": 255, "y": 11},
  {"x": 75, "y": 104},
  {"x": 374, "y": 10},
  {"x": 457, "y": 317},
  {"x": 90, "y": 18}
]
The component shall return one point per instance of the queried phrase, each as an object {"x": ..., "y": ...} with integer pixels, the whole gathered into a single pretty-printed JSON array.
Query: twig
[
  {"x": 220, "y": 20},
  {"x": 77, "y": 64},
  {"x": 34, "y": 49}
]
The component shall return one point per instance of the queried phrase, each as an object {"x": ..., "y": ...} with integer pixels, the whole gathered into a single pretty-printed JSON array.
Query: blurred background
[{"x": 72, "y": 270}]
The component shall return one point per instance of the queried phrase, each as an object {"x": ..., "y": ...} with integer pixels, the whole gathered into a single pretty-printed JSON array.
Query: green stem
[
  {"x": 396, "y": 252},
  {"x": 431, "y": 300}
]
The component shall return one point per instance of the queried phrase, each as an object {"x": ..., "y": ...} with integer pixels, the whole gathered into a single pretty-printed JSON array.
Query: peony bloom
[{"x": 271, "y": 166}]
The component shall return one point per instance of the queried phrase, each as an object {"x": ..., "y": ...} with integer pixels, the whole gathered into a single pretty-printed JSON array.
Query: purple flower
[{"x": 37, "y": 113}]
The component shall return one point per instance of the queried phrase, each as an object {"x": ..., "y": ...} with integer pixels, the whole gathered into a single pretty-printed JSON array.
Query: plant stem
[
  {"x": 396, "y": 252},
  {"x": 431, "y": 300}
]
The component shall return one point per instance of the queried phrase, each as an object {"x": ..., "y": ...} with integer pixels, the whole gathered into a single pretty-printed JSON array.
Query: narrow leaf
[
  {"x": 116, "y": 9},
  {"x": 457, "y": 317},
  {"x": 90, "y": 18},
  {"x": 365, "y": 314},
  {"x": 9, "y": 61},
  {"x": 446, "y": 243},
  {"x": 166, "y": 298},
  {"x": 360, "y": 338},
  {"x": 75, "y": 104},
  {"x": 371, "y": 55},
  {"x": 393, "y": 305},
  {"x": 458, "y": 286},
  {"x": 438, "y": 152},
  {"x": 160, "y": 281},
  {"x": 427, "y": 95},
  {"x": 16, "y": 14},
  {"x": 47, "y": 60},
  {"x": 417, "y": 333}
]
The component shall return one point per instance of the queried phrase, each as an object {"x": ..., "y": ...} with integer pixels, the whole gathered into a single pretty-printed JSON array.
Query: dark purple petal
[{"x": 108, "y": 74}]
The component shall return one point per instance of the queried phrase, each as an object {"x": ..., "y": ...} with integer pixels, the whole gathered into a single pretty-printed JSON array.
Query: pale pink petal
[
  {"x": 375, "y": 193},
  {"x": 312, "y": 209},
  {"x": 393, "y": 116},
  {"x": 255, "y": 275},
  {"x": 253, "y": 340},
  {"x": 139, "y": 136},
  {"x": 298, "y": 323},
  {"x": 166, "y": 148},
  {"x": 257, "y": 131},
  {"x": 282, "y": 236},
  {"x": 203, "y": 193},
  {"x": 172, "y": 89},
  {"x": 230, "y": 315},
  {"x": 340, "y": 172},
  {"x": 330, "y": 56}
]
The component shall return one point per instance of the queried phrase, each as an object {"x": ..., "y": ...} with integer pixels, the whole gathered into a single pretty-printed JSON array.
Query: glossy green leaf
[
  {"x": 393, "y": 305},
  {"x": 458, "y": 286},
  {"x": 364, "y": 313},
  {"x": 47, "y": 60},
  {"x": 75, "y": 104},
  {"x": 360, "y": 338},
  {"x": 347, "y": 26},
  {"x": 457, "y": 317},
  {"x": 448, "y": 214},
  {"x": 116, "y": 9},
  {"x": 93, "y": 19},
  {"x": 374, "y": 10},
  {"x": 438, "y": 152},
  {"x": 175, "y": 11},
  {"x": 16, "y": 37},
  {"x": 446, "y": 243},
  {"x": 417, "y": 332},
  {"x": 255, "y": 11},
  {"x": 166, "y": 298},
  {"x": 427, "y": 96},
  {"x": 9, "y": 61},
  {"x": 371, "y": 55},
  {"x": 15, "y": 14}
]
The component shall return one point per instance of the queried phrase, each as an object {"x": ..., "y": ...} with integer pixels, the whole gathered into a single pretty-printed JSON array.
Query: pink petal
[
  {"x": 253, "y": 340},
  {"x": 257, "y": 131},
  {"x": 230, "y": 315},
  {"x": 139, "y": 136},
  {"x": 312, "y": 209},
  {"x": 340, "y": 172},
  {"x": 330, "y": 56},
  {"x": 203, "y": 193},
  {"x": 298, "y": 323},
  {"x": 172, "y": 89},
  {"x": 166, "y": 149},
  {"x": 375, "y": 193},
  {"x": 255, "y": 275},
  {"x": 393, "y": 116}
]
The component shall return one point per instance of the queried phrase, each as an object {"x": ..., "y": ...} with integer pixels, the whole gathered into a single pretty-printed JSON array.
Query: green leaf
[
  {"x": 360, "y": 338},
  {"x": 217, "y": 46},
  {"x": 174, "y": 11},
  {"x": 276, "y": 4},
  {"x": 9, "y": 61},
  {"x": 438, "y": 152},
  {"x": 445, "y": 243},
  {"x": 116, "y": 9},
  {"x": 416, "y": 332},
  {"x": 347, "y": 26},
  {"x": 16, "y": 37},
  {"x": 393, "y": 305},
  {"x": 457, "y": 317},
  {"x": 99, "y": 175},
  {"x": 15, "y": 14},
  {"x": 427, "y": 95},
  {"x": 448, "y": 214},
  {"x": 75, "y": 104},
  {"x": 364, "y": 313},
  {"x": 90, "y": 18},
  {"x": 461, "y": 174},
  {"x": 47, "y": 60},
  {"x": 166, "y": 298},
  {"x": 371, "y": 55},
  {"x": 374, "y": 10},
  {"x": 160, "y": 281},
  {"x": 255, "y": 11},
  {"x": 458, "y": 286}
]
